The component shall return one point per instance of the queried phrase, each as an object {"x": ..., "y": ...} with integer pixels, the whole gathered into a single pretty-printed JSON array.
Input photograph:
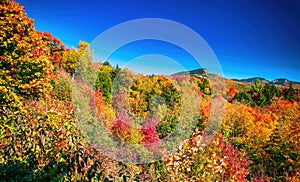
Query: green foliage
[
  {"x": 123, "y": 80},
  {"x": 203, "y": 85},
  {"x": 84, "y": 66},
  {"x": 62, "y": 87},
  {"x": 105, "y": 79},
  {"x": 258, "y": 94},
  {"x": 289, "y": 94},
  {"x": 37, "y": 135},
  {"x": 104, "y": 82},
  {"x": 156, "y": 97}
]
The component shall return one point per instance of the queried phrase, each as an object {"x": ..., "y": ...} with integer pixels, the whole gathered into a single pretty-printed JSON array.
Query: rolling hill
[{"x": 204, "y": 72}]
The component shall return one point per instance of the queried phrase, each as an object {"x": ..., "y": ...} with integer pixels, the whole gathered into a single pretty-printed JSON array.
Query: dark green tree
[{"x": 289, "y": 94}]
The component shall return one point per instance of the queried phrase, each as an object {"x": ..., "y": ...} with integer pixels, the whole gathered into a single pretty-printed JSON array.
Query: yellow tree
[
  {"x": 84, "y": 64},
  {"x": 70, "y": 58},
  {"x": 24, "y": 58}
]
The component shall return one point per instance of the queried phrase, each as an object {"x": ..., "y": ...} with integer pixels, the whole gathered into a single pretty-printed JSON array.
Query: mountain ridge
[
  {"x": 200, "y": 71},
  {"x": 277, "y": 81}
]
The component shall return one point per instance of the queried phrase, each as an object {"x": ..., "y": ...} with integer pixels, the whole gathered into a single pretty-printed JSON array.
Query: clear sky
[{"x": 250, "y": 38}]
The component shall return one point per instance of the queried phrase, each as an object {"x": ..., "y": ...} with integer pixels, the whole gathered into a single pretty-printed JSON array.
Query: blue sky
[{"x": 250, "y": 38}]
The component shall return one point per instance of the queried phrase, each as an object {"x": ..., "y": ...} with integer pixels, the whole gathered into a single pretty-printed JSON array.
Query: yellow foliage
[{"x": 24, "y": 59}]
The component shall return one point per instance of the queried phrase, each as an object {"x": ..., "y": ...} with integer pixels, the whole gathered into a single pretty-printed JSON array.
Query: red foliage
[
  {"x": 179, "y": 78},
  {"x": 99, "y": 100},
  {"x": 120, "y": 102},
  {"x": 257, "y": 179},
  {"x": 56, "y": 49},
  {"x": 236, "y": 164},
  {"x": 150, "y": 140},
  {"x": 231, "y": 92},
  {"x": 121, "y": 126},
  {"x": 149, "y": 131},
  {"x": 52, "y": 75}
]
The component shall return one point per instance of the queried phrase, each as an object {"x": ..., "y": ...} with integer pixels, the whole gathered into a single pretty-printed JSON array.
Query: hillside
[
  {"x": 278, "y": 82},
  {"x": 67, "y": 117},
  {"x": 200, "y": 71},
  {"x": 252, "y": 80},
  {"x": 204, "y": 72}
]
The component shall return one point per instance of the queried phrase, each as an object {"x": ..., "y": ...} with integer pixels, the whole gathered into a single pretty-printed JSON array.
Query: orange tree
[
  {"x": 57, "y": 49},
  {"x": 38, "y": 136},
  {"x": 24, "y": 58},
  {"x": 283, "y": 150},
  {"x": 269, "y": 135}
]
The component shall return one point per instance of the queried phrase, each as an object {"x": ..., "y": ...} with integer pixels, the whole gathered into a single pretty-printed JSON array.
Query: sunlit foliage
[
  {"x": 48, "y": 94},
  {"x": 24, "y": 59}
]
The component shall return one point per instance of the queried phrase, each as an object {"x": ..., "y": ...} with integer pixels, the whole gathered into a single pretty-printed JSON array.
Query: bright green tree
[{"x": 106, "y": 80}]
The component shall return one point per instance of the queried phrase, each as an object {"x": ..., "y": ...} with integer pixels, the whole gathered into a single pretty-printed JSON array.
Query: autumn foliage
[
  {"x": 49, "y": 93},
  {"x": 24, "y": 58}
]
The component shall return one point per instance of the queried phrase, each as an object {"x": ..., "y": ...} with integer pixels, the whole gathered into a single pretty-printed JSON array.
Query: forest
[{"x": 67, "y": 117}]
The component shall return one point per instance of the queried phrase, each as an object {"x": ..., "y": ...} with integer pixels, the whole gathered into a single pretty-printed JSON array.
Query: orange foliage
[{"x": 24, "y": 57}]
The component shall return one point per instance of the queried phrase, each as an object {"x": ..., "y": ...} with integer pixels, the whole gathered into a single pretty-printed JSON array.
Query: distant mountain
[
  {"x": 252, "y": 80},
  {"x": 279, "y": 81},
  {"x": 199, "y": 71},
  {"x": 204, "y": 72}
]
